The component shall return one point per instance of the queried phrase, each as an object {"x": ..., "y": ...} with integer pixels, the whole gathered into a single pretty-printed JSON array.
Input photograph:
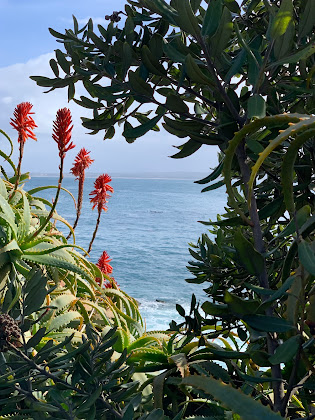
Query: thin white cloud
[{"x": 97, "y": 20}]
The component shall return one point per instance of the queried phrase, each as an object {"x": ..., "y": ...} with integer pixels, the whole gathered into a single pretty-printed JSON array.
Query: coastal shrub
[{"x": 240, "y": 77}]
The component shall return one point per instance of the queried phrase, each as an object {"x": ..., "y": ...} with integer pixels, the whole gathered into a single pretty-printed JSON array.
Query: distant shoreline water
[{"x": 176, "y": 176}]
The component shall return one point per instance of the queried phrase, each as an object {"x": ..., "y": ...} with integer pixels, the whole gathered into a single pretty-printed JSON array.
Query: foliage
[
  {"x": 241, "y": 78},
  {"x": 63, "y": 337}
]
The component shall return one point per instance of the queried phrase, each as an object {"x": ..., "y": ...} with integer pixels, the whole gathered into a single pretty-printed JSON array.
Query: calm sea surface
[{"x": 146, "y": 232}]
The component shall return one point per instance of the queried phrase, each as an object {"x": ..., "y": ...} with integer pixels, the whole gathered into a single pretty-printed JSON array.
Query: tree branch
[{"x": 221, "y": 90}]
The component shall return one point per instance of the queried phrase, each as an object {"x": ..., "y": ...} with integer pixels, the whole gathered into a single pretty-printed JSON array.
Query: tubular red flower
[
  {"x": 23, "y": 123},
  {"x": 81, "y": 162},
  {"x": 103, "y": 263},
  {"x": 100, "y": 193},
  {"x": 62, "y": 129}
]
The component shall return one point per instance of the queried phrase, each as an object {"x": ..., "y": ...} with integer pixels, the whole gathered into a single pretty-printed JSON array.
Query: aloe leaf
[
  {"x": 46, "y": 187},
  {"x": 3, "y": 189},
  {"x": 148, "y": 355},
  {"x": 62, "y": 301},
  {"x": 7, "y": 159},
  {"x": 99, "y": 309},
  {"x": 76, "y": 336},
  {"x": 56, "y": 261},
  {"x": 34, "y": 251},
  {"x": 63, "y": 320},
  {"x": 9, "y": 140},
  {"x": 8, "y": 214},
  {"x": 236, "y": 400}
]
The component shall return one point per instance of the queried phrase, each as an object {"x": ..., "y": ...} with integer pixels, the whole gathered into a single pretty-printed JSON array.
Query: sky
[{"x": 26, "y": 49}]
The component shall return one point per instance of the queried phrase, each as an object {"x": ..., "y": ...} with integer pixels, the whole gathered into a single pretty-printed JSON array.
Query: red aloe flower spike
[
  {"x": 81, "y": 162},
  {"x": 100, "y": 192},
  {"x": 99, "y": 199},
  {"x": 24, "y": 124},
  {"x": 105, "y": 267},
  {"x": 62, "y": 129},
  {"x": 103, "y": 263}
]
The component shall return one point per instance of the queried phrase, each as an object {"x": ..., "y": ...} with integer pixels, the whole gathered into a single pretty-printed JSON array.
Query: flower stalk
[
  {"x": 24, "y": 124},
  {"x": 62, "y": 129},
  {"x": 99, "y": 198},
  {"x": 81, "y": 163}
]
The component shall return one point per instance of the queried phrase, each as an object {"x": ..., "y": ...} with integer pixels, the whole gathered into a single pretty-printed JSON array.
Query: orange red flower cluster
[
  {"x": 23, "y": 123},
  {"x": 100, "y": 193},
  {"x": 106, "y": 268},
  {"x": 62, "y": 129},
  {"x": 81, "y": 162}
]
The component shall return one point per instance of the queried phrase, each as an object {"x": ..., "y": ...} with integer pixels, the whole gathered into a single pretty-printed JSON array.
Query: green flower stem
[
  {"x": 18, "y": 169},
  {"x": 80, "y": 201},
  {"x": 95, "y": 230},
  {"x": 43, "y": 225}
]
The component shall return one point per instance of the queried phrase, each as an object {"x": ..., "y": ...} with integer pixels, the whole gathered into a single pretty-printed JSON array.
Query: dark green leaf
[
  {"x": 282, "y": 20},
  {"x": 187, "y": 149},
  {"x": 152, "y": 63},
  {"x": 213, "y": 186},
  {"x": 176, "y": 104},
  {"x": 251, "y": 259},
  {"x": 214, "y": 175},
  {"x": 244, "y": 405},
  {"x": 62, "y": 61},
  {"x": 286, "y": 351},
  {"x": 33, "y": 341},
  {"x": 307, "y": 20},
  {"x": 233, "y": 6},
  {"x": 212, "y": 18},
  {"x": 139, "y": 85},
  {"x": 268, "y": 323},
  {"x": 141, "y": 130},
  {"x": 307, "y": 256},
  {"x": 54, "y": 67},
  {"x": 256, "y": 107}
]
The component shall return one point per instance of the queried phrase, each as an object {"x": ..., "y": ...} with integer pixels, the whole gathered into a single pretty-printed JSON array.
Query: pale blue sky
[{"x": 26, "y": 49}]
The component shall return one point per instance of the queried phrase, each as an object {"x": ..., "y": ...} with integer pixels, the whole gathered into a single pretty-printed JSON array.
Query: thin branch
[
  {"x": 224, "y": 96},
  {"x": 189, "y": 89}
]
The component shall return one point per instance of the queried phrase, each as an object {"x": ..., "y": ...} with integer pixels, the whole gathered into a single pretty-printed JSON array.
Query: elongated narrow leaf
[
  {"x": 286, "y": 351},
  {"x": 187, "y": 149},
  {"x": 282, "y": 19},
  {"x": 268, "y": 323},
  {"x": 152, "y": 63},
  {"x": 141, "y": 130},
  {"x": 236, "y": 400},
  {"x": 307, "y": 256},
  {"x": 212, "y": 18},
  {"x": 214, "y": 175},
  {"x": 256, "y": 107},
  {"x": 250, "y": 258}
]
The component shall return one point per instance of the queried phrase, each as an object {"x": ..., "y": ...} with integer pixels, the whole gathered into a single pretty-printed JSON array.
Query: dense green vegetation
[{"x": 213, "y": 73}]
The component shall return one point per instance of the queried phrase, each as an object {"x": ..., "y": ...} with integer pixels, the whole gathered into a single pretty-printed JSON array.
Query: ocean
[{"x": 146, "y": 232}]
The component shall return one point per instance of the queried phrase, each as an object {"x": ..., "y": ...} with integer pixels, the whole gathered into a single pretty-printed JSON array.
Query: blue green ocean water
[{"x": 146, "y": 232}]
